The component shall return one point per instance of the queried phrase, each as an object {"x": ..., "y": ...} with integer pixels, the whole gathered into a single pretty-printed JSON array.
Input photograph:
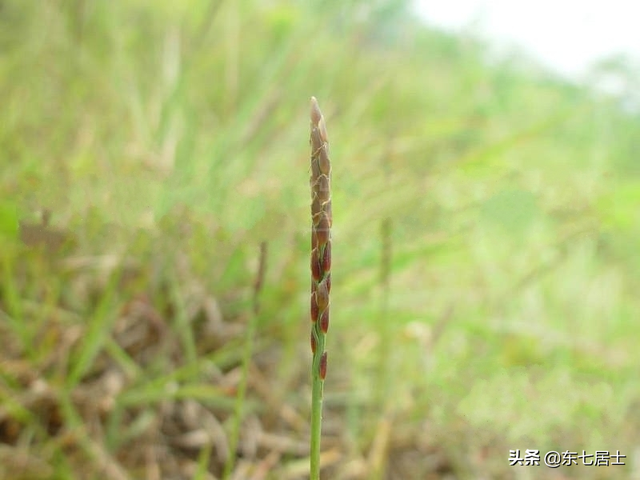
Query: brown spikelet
[
  {"x": 315, "y": 311},
  {"x": 320, "y": 220},
  {"x": 324, "y": 321},
  {"x": 323, "y": 366}
]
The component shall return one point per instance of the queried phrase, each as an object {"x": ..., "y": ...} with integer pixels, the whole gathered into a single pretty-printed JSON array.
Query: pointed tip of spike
[{"x": 316, "y": 114}]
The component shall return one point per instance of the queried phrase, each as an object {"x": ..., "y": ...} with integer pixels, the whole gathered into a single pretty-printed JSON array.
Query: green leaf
[
  {"x": 513, "y": 210},
  {"x": 619, "y": 209},
  {"x": 8, "y": 220}
]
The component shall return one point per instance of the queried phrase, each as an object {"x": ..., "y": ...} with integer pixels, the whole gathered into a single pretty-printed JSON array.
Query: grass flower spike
[{"x": 320, "y": 272}]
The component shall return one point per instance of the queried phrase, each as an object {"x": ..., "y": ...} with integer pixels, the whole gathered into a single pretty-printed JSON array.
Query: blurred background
[
  {"x": 569, "y": 37},
  {"x": 154, "y": 229}
]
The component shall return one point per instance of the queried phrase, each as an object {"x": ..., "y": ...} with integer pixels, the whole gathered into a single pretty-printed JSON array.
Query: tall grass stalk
[
  {"x": 238, "y": 416},
  {"x": 379, "y": 449},
  {"x": 320, "y": 273}
]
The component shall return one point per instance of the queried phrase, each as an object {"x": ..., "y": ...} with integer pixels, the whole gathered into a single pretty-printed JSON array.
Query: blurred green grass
[{"x": 169, "y": 139}]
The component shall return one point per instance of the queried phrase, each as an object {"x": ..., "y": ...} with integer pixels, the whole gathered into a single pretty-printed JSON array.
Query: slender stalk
[
  {"x": 321, "y": 220},
  {"x": 238, "y": 416}
]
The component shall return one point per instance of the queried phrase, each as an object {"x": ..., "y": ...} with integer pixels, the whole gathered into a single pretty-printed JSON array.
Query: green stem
[{"x": 316, "y": 423}]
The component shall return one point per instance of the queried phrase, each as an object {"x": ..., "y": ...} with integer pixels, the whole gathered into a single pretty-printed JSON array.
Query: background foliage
[{"x": 485, "y": 246}]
